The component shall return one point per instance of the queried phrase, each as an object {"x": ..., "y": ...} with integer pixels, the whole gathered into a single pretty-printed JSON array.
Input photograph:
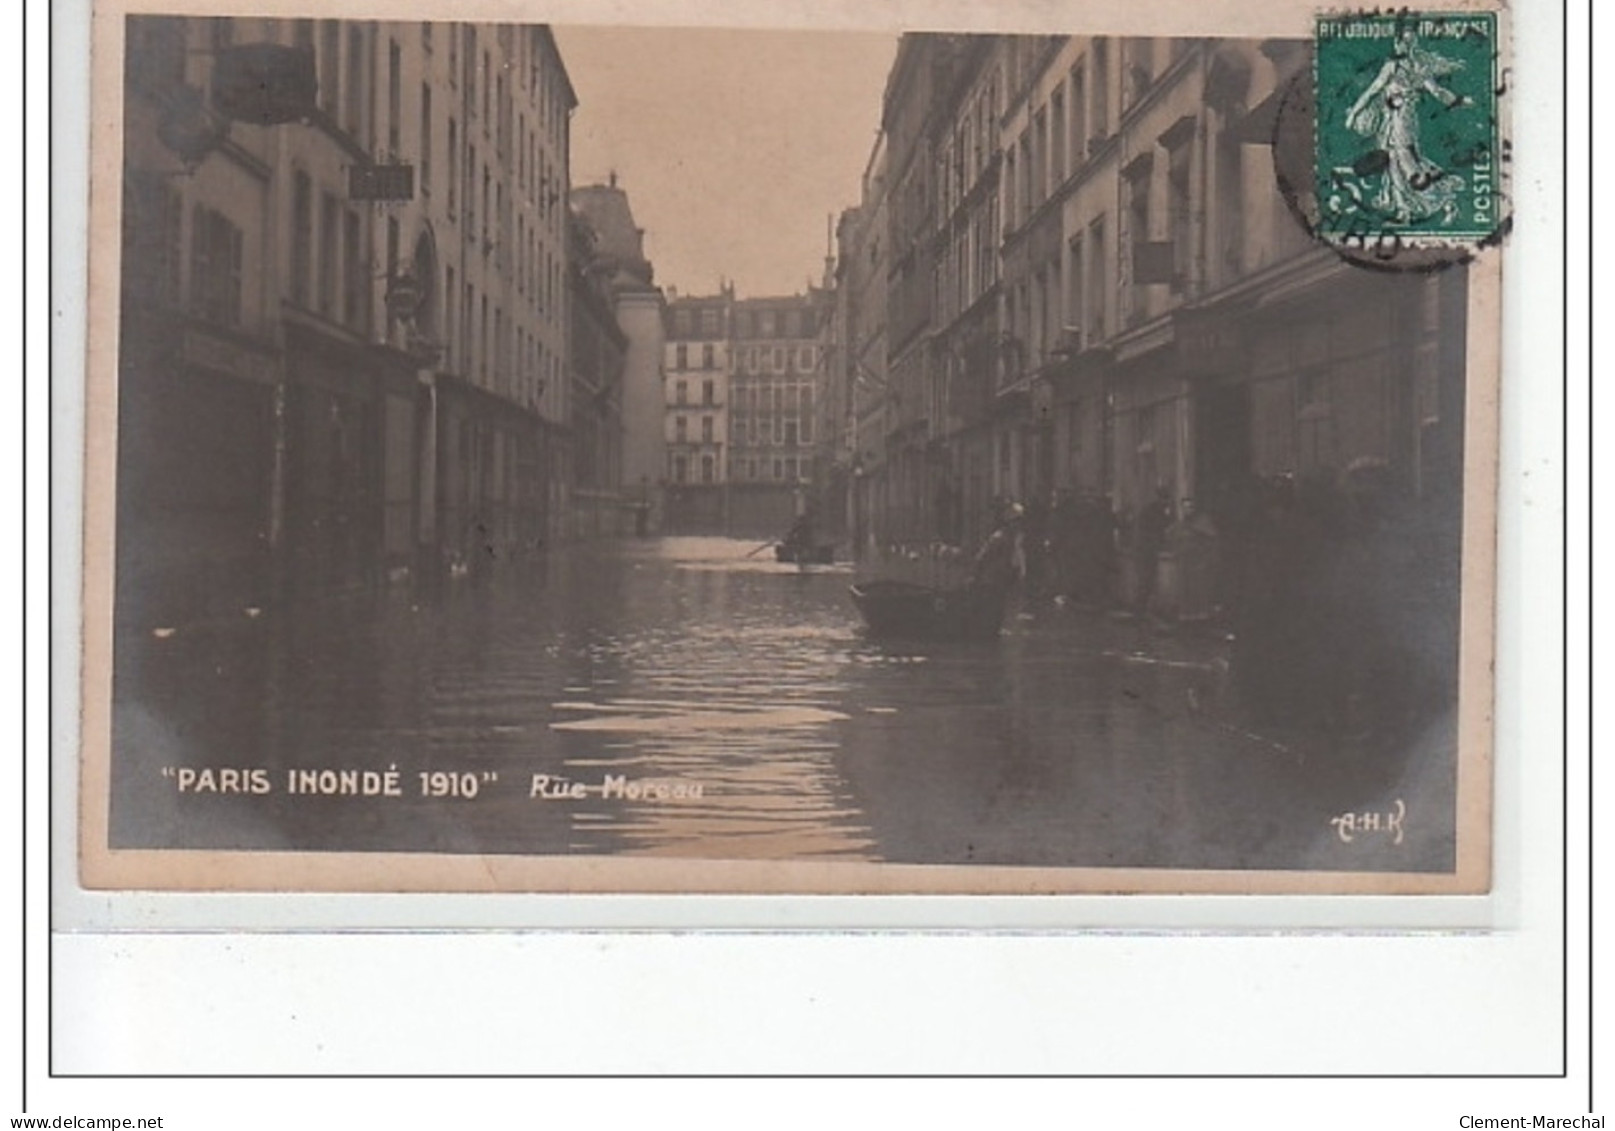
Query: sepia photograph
[{"x": 570, "y": 457}]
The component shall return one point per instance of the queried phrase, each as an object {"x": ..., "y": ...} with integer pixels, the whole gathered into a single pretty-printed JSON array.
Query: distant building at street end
[
  {"x": 697, "y": 362},
  {"x": 596, "y": 361},
  {"x": 774, "y": 407},
  {"x": 618, "y": 264}
]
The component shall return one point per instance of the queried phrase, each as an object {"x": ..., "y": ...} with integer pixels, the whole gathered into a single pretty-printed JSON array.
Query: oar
[{"x": 760, "y": 549}]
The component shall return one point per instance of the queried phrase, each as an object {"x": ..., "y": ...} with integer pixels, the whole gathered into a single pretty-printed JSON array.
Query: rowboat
[
  {"x": 902, "y": 610},
  {"x": 823, "y": 553}
]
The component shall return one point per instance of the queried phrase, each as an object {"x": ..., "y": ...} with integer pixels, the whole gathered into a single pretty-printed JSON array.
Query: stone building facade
[{"x": 323, "y": 391}]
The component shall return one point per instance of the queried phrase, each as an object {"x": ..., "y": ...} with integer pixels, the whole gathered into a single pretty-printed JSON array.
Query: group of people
[
  {"x": 1338, "y": 594},
  {"x": 1072, "y": 546}
]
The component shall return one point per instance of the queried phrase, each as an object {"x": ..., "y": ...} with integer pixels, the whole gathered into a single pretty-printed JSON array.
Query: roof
[{"x": 605, "y": 209}]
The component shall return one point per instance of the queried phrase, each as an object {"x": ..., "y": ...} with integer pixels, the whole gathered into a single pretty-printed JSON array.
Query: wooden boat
[
  {"x": 824, "y": 553},
  {"x": 902, "y": 610}
]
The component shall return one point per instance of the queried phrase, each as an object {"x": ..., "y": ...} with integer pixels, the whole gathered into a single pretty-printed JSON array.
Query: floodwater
[{"x": 682, "y": 697}]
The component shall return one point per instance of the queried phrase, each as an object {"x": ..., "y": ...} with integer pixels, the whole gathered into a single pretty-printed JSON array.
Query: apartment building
[
  {"x": 696, "y": 360},
  {"x": 1149, "y": 321},
  {"x": 776, "y": 393},
  {"x": 343, "y": 357}
]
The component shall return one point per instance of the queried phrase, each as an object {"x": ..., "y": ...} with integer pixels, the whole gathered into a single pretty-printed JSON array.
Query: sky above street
[{"x": 735, "y": 147}]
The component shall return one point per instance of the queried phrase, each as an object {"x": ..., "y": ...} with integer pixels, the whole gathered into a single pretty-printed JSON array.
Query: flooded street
[{"x": 680, "y": 697}]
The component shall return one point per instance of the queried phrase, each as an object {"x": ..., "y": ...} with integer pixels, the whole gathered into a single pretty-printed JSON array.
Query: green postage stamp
[{"x": 1406, "y": 141}]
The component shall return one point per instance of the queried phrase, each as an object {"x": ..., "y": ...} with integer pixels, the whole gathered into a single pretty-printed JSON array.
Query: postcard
[{"x": 528, "y": 452}]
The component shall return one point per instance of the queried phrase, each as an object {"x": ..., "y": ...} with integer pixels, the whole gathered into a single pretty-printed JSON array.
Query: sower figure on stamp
[{"x": 1388, "y": 111}]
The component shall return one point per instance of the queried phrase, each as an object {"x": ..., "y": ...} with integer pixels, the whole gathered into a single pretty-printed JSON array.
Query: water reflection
[{"x": 713, "y": 704}]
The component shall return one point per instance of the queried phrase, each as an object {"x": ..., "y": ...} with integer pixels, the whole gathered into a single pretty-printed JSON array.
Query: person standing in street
[
  {"x": 1001, "y": 561},
  {"x": 1149, "y": 539}
]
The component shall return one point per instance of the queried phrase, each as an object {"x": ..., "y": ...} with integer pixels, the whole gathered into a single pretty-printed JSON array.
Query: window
[
  {"x": 1178, "y": 216},
  {"x": 1230, "y": 204},
  {"x": 355, "y": 279},
  {"x": 708, "y": 469},
  {"x": 681, "y": 391},
  {"x": 681, "y": 323},
  {"x": 681, "y": 429},
  {"x": 1138, "y": 231},
  {"x": 779, "y": 468},
  {"x": 487, "y": 195},
  {"x": 330, "y": 68},
  {"x": 1079, "y": 117},
  {"x": 1011, "y": 195},
  {"x": 454, "y": 166},
  {"x": 215, "y": 267},
  {"x": 449, "y": 294},
  {"x": 1024, "y": 196},
  {"x": 502, "y": 106},
  {"x": 708, "y": 392},
  {"x": 1099, "y": 97},
  {"x": 710, "y": 325},
  {"x": 395, "y": 95},
  {"x": 1057, "y": 135},
  {"x": 681, "y": 469},
  {"x": 779, "y": 359},
  {"x": 426, "y": 140},
  {"x": 706, "y": 429},
  {"x": 167, "y": 267},
  {"x": 790, "y": 433},
  {"x": 501, "y": 239},
  {"x": 498, "y": 345},
  {"x": 1074, "y": 279},
  {"x": 707, "y": 357},
  {"x": 681, "y": 358},
  {"x": 353, "y": 89},
  {"x": 1040, "y": 153},
  {"x": 766, "y": 318},
  {"x": 738, "y": 430},
  {"x": 1094, "y": 322},
  {"x": 807, "y": 426},
  {"x": 302, "y": 236},
  {"x": 329, "y": 236},
  {"x": 804, "y": 359},
  {"x": 1138, "y": 62}
]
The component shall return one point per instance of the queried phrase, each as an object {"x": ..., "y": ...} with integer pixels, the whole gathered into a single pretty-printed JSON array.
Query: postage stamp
[{"x": 1406, "y": 128}]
